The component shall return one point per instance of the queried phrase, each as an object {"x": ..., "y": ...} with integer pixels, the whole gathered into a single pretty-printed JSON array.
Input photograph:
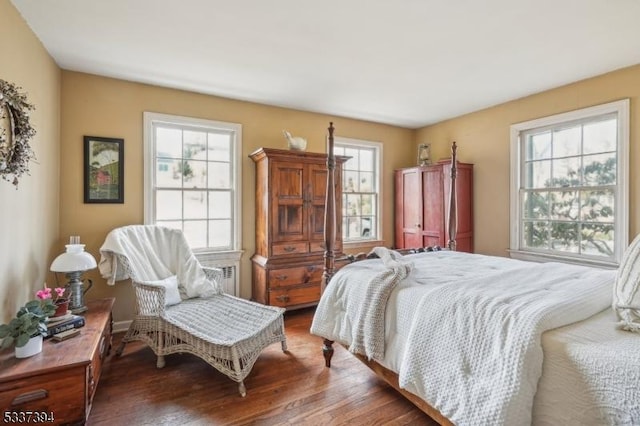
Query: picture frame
[
  {"x": 424, "y": 154},
  {"x": 103, "y": 170}
]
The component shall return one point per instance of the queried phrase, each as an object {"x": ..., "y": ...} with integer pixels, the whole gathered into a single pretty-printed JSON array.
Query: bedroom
[{"x": 72, "y": 104}]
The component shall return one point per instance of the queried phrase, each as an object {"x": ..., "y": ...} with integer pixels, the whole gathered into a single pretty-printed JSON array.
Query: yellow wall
[
  {"x": 29, "y": 215},
  {"x": 99, "y": 106},
  {"x": 483, "y": 139}
]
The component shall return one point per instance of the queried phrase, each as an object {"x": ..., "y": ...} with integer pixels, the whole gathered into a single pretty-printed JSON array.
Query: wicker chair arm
[
  {"x": 214, "y": 274},
  {"x": 150, "y": 299}
]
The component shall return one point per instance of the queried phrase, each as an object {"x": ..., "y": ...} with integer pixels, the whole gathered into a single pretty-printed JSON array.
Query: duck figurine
[{"x": 296, "y": 143}]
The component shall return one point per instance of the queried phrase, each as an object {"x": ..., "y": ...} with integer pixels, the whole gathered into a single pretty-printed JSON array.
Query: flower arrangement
[
  {"x": 47, "y": 293},
  {"x": 29, "y": 322}
]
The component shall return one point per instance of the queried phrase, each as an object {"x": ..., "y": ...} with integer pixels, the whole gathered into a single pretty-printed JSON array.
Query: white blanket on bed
[
  {"x": 155, "y": 253},
  {"x": 476, "y": 353}
]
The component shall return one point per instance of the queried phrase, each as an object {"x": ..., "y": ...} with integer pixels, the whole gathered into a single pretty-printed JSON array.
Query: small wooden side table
[{"x": 57, "y": 385}]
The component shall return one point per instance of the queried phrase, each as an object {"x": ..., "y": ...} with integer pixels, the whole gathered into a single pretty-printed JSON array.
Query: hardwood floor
[{"x": 291, "y": 388}]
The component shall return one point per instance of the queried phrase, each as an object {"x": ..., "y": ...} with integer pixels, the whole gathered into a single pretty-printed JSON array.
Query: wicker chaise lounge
[{"x": 227, "y": 332}]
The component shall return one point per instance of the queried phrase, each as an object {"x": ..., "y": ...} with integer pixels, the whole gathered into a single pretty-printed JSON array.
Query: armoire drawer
[
  {"x": 286, "y": 296},
  {"x": 290, "y": 248},
  {"x": 295, "y": 276}
]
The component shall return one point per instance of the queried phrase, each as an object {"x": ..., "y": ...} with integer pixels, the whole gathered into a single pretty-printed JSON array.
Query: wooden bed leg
[{"x": 327, "y": 352}]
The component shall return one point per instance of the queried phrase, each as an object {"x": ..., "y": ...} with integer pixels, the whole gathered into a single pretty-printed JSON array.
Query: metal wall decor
[{"x": 15, "y": 132}]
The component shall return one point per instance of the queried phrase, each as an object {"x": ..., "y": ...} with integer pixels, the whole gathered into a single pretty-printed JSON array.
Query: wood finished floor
[{"x": 291, "y": 388}]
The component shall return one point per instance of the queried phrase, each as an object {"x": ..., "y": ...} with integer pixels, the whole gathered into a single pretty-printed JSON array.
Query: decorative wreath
[{"x": 15, "y": 151}]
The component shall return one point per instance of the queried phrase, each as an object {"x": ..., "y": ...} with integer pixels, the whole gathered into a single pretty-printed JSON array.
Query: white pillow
[
  {"x": 626, "y": 290},
  {"x": 171, "y": 293}
]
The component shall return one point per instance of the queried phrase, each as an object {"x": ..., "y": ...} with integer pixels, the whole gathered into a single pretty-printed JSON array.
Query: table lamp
[{"x": 73, "y": 263}]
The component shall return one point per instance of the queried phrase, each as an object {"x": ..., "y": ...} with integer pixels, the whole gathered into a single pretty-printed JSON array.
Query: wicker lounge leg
[
  {"x": 242, "y": 389},
  {"x": 160, "y": 361},
  {"x": 284, "y": 345},
  {"x": 238, "y": 371}
]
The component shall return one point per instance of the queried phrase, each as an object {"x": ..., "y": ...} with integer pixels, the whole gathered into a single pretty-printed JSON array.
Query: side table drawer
[{"x": 60, "y": 393}]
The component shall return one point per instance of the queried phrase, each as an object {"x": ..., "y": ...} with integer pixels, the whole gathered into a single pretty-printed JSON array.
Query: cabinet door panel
[
  {"x": 408, "y": 208},
  {"x": 316, "y": 194},
  {"x": 432, "y": 207},
  {"x": 290, "y": 223}
]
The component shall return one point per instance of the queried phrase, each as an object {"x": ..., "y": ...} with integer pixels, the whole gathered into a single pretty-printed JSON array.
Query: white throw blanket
[
  {"x": 369, "y": 318},
  {"x": 475, "y": 354},
  {"x": 155, "y": 253},
  {"x": 626, "y": 291}
]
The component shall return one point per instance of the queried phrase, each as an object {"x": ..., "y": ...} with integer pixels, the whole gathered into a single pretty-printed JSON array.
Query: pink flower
[{"x": 46, "y": 293}]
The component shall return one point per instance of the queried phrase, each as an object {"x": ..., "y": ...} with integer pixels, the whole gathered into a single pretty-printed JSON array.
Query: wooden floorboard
[{"x": 293, "y": 388}]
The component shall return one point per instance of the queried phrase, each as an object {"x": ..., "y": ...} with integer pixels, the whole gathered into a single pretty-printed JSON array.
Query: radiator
[{"x": 230, "y": 283}]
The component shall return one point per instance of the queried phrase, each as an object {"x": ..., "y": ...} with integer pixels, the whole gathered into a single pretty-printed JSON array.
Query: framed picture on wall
[{"x": 103, "y": 170}]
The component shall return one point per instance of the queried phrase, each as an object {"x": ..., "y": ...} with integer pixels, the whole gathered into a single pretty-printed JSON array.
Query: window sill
[
  {"x": 547, "y": 257},
  {"x": 355, "y": 245},
  {"x": 217, "y": 256}
]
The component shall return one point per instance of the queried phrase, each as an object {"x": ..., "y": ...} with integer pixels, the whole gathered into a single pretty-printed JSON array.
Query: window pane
[
  {"x": 353, "y": 205},
  {"x": 600, "y": 136},
  {"x": 195, "y": 205},
  {"x": 168, "y": 205},
  {"x": 352, "y": 182},
  {"x": 597, "y": 206},
  {"x": 597, "y": 239},
  {"x": 195, "y": 145},
  {"x": 220, "y": 233},
  {"x": 600, "y": 169},
  {"x": 167, "y": 175},
  {"x": 219, "y": 205},
  {"x": 168, "y": 142},
  {"x": 565, "y": 172},
  {"x": 564, "y": 205},
  {"x": 536, "y": 235},
  {"x": 537, "y": 174},
  {"x": 170, "y": 224},
  {"x": 536, "y": 205},
  {"x": 219, "y": 147},
  {"x": 219, "y": 175},
  {"x": 366, "y": 182},
  {"x": 566, "y": 142},
  {"x": 368, "y": 228},
  {"x": 538, "y": 146},
  {"x": 367, "y": 204},
  {"x": 195, "y": 174},
  {"x": 564, "y": 236},
  {"x": 196, "y": 233},
  {"x": 354, "y": 161},
  {"x": 366, "y": 160}
]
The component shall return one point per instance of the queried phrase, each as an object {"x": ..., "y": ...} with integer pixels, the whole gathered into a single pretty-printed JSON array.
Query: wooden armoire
[
  {"x": 290, "y": 198},
  {"x": 422, "y": 206}
]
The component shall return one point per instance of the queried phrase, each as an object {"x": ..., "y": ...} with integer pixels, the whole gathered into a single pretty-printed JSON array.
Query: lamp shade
[{"x": 74, "y": 259}]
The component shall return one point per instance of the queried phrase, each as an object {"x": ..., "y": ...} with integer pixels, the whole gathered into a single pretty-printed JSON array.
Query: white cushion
[
  {"x": 626, "y": 290},
  {"x": 171, "y": 294}
]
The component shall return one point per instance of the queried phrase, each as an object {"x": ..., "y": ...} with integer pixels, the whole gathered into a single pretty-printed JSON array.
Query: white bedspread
[{"x": 471, "y": 356}]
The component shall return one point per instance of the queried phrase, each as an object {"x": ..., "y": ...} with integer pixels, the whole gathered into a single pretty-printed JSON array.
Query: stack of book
[{"x": 62, "y": 323}]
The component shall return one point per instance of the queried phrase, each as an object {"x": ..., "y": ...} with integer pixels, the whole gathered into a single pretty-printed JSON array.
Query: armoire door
[
  {"x": 432, "y": 208},
  {"x": 289, "y": 221},
  {"x": 408, "y": 208}
]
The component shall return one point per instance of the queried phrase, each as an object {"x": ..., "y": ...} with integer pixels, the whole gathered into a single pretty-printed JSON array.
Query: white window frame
[
  {"x": 377, "y": 146},
  {"x": 151, "y": 118},
  {"x": 621, "y": 217}
]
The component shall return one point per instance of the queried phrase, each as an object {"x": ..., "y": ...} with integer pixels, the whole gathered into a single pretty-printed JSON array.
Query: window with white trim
[
  {"x": 192, "y": 179},
  {"x": 360, "y": 189},
  {"x": 569, "y": 195}
]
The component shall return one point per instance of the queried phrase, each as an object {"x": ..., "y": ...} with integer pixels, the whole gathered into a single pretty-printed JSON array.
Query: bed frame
[{"x": 329, "y": 263}]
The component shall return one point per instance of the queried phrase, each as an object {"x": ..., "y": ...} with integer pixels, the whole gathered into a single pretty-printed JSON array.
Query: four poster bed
[{"x": 473, "y": 339}]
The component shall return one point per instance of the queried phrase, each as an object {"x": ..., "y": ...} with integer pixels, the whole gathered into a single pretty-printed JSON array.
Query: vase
[
  {"x": 33, "y": 346},
  {"x": 62, "y": 306}
]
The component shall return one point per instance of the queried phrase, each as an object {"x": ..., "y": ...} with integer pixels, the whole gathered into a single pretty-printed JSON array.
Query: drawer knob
[
  {"x": 283, "y": 298},
  {"x": 281, "y": 277},
  {"x": 289, "y": 249}
]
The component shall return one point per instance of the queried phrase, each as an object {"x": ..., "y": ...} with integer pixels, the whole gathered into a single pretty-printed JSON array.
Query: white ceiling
[{"x": 406, "y": 62}]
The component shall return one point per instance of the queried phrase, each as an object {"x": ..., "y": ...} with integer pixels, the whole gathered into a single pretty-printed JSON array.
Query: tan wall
[
  {"x": 98, "y": 106},
  {"x": 29, "y": 215},
  {"x": 483, "y": 139}
]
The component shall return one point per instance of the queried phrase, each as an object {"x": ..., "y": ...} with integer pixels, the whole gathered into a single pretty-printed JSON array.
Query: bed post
[
  {"x": 329, "y": 232},
  {"x": 453, "y": 207}
]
